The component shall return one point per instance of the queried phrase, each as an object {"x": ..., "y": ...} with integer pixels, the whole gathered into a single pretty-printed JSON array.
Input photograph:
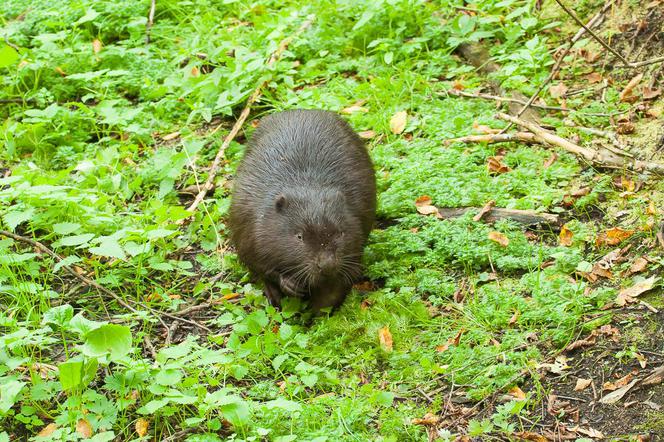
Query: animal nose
[{"x": 327, "y": 263}]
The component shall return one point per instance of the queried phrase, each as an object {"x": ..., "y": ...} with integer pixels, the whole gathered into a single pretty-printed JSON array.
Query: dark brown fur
[{"x": 304, "y": 202}]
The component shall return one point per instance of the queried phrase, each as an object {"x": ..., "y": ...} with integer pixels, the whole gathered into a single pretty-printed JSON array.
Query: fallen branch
[
  {"x": 92, "y": 283},
  {"x": 561, "y": 58},
  {"x": 600, "y": 158},
  {"x": 148, "y": 25},
  {"x": 523, "y": 103},
  {"x": 526, "y": 217},
  {"x": 623, "y": 60},
  {"x": 524, "y": 137},
  {"x": 216, "y": 164},
  {"x": 505, "y": 100}
]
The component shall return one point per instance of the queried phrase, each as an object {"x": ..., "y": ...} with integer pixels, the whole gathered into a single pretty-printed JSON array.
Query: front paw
[{"x": 289, "y": 287}]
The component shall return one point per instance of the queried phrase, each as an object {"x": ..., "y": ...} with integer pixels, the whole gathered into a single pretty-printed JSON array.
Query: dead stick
[
  {"x": 148, "y": 25},
  {"x": 92, "y": 283},
  {"x": 604, "y": 158},
  {"x": 216, "y": 164},
  {"x": 559, "y": 62},
  {"x": 504, "y": 100},
  {"x": 524, "y": 137},
  {"x": 606, "y": 46}
]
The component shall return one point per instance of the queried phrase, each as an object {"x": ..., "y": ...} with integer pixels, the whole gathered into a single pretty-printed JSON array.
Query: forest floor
[{"x": 512, "y": 290}]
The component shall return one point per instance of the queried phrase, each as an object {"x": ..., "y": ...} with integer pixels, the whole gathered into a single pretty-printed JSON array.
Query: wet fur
[{"x": 303, "y": 171}]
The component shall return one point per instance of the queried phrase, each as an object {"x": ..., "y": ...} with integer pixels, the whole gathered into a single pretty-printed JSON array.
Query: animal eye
[{"x": 299, "y": 236}]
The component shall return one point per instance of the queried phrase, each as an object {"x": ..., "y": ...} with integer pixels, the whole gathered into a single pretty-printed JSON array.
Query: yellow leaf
[
  {"x": 517, "y": 393},
  {"x": 398, "y": 122},
  {"x": 350, "y": 110},
  {"x": 582, "y": 384},
  {"x": 565, "y": 236},
  {"x": 96, "y": 45},
  {"x": 141, "y": 427},
  {"x": 385, "y": 338},
  {"x": 84, "y": 428},
  {"x": 367, "y": 134},
  {"x": 500, "y": 238},
  {"x": 47, "y": 430}
]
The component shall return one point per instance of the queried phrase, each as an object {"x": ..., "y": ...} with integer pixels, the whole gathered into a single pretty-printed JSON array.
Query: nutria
[{"x": 303, "y": 203}]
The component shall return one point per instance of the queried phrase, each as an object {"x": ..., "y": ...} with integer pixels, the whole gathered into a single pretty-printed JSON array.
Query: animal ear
[{"x": 280, "y": 202}]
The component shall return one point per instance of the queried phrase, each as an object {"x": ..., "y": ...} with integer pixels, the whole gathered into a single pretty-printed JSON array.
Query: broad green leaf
[
  {"x": 109, "y": 339},
  {"x": 14, "y": 218},
  {"x": 9, "y": 392},
  {"x": 65, "y": 228},
  {"x": 283, "y": 404},
  {"x": 75, "y": 240},
  {"x": 170, "y": 376},
  {"x": 153, "y": 406},
  {"x": 8, "y": 56},
  {"x": 60, "y": 315},
  {"x": 89, "y": 16},
  {"x": 76, "y": 373},
  {"x": 69, "y": 260},
  {"x": 108, "y": 247}
]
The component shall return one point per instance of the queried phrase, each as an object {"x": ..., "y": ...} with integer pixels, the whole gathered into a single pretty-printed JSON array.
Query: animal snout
[{"x": 327, "y": 263}]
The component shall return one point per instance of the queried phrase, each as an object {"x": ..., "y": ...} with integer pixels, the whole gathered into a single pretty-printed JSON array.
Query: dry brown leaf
[
  {"x": 612, "y": 386},
  {"x": 141, "y": 427},
  {"x": 500, "y": 238},
  {"x": 627, "y": 94},
  {"x": 639, "y": 265},
  {"x": 171, "y": 136},
  {"x": 59, "y": 70},
  {"x": 613, "y": 236},
  {"x": 514, "y": 318},
  {"x": 642, "y": 360},
  {"x": 534, "y": 437},
  {"x": 517, "y": 393},
  {"x": 385, "y": 338},
  {"x": 96, "y": 45},
  {"x": 651, "y": 94},
  {"x": 625, "y": 128},
  {"x": 594, "y": 77},
  {"x": 558, "y": 90},
  {"x": 367, "y": 134},
  {"x": 549, "y": 162},
  {"x": 195, "y": 72},
  {"x": 451, "y": 341},
  {"x": 565, "y": 237},
  {"x": 617, "y": 395},
  {"x": 350, "y": 110},
  {"x": 590, "y": 432},
  {"x": 486, "y": 209},
  {"x": 398, "y": 122},
  {"x": 84, "y": 428},
  {"x": 582, "y": 384},
  {"x": 652, "y": 209},
  {"x": 429, "y": 419},
  {"x": 230, "y": 296},
  {"x": 495, "y": 165},
  {"x": 47, "y": 430},
  {"x": 424, "y": 206},
  {"x": 627, "y": 295}
]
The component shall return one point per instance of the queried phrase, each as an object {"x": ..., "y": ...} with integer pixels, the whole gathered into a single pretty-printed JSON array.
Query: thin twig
[
  {"x": 10, "y": 44},
  {"x": 216, "y": 164},
  {"x": 504, "y": 100},
  {"x": 148, "y": 25},
  {"x": 151, "y": 349},
  {"x": 524, "y": 137},
  {"x": 601, "y": 158},
  {"x": 561, "y": 58},
  {"x": 623, "y": 60},
  {"x": 95, "y": 284}
]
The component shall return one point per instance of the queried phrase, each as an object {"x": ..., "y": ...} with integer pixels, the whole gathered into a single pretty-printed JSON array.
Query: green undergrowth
[{"x": 86, "y": 169}]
